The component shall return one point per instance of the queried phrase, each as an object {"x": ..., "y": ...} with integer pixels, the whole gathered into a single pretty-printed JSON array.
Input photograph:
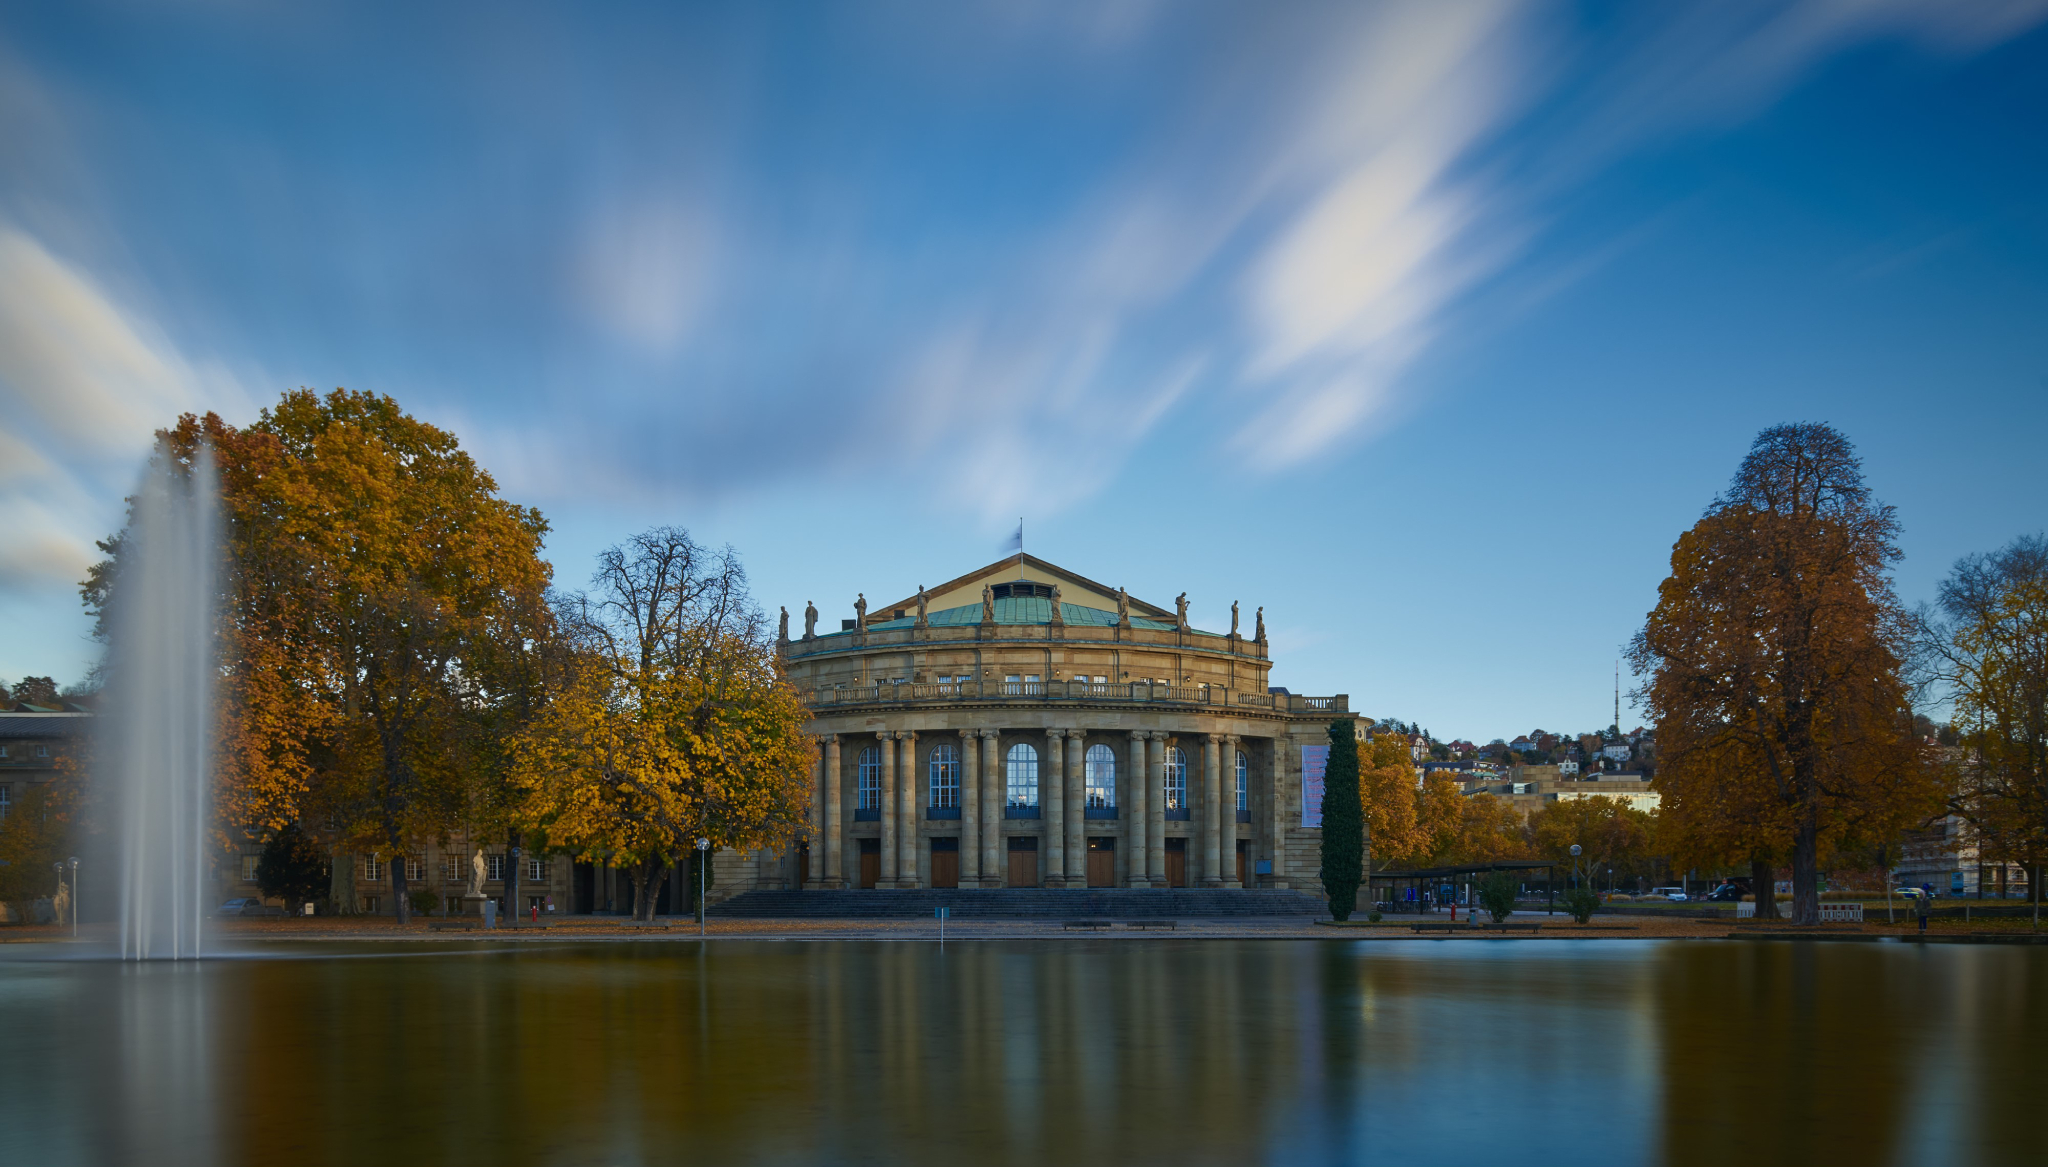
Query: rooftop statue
[
  {"x": 1261, "y": 636},
  {"x": 860, "y": 612},
  {"x": 1233, "y": 619},
  {"x": 1057, "y": 617},
  {"x": 810, "y": 620},
  {"x": 782, "y": 630},
  {"x": 922, "y": 600},
  {"x": 1123, "y": 607},
  {"x": 988, "y": 604},
  {"x": 1180, "y": 607}
]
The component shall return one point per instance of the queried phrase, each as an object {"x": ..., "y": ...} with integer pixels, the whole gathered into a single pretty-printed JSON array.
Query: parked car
[
  {"x": 1910, "y": 893},
  {"x": 237, "y": 906},
  {"x": 1675, "y": 894},
  {"x": 1727, "y": 893}
]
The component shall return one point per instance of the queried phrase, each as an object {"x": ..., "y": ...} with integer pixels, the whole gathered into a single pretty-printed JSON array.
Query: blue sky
[{"x": 1427, "y": 327}]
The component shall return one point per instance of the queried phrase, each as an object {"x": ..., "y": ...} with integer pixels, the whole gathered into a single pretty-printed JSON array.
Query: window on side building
[
  {"x": 1023, "y": 775},
  {"x": 945, "y": 782},
  {"x": 249, "y": 867},
  {"x": 1176, "y": 779},
  {"x": 494, "y": 867},
  {"x": 1101, "y": 775},
  {"x": 868, "y": 785},
  {"x": 1244, "y": 783},
  {"x": 6, "y": 800}
]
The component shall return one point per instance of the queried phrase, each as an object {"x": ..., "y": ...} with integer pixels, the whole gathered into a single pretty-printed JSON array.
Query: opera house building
[{"x": 1023, "y": 726}]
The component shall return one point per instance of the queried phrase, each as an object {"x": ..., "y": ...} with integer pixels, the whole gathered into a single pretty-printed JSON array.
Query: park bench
[
  {"x": 1166, "y": 924},
  {"x": 1440, "y": 926},
  {"x": 453, "y": 925},
  {"x": 1507, "y": 927},
  {"x": 651, "y": 925},
  {"x": 1091, "y": 925}
]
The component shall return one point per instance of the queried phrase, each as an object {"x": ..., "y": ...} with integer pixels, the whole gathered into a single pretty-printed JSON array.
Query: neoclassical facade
[{"x": 1023, "y": 726}]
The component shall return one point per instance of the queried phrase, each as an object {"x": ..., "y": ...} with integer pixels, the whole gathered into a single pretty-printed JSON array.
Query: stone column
[
  {"x": 1155, "y": 833},
  {"x": 888, "y": 877},
  {"x": 1211, "y": 833},
  {"x": 994, "y": 798},
  {"x": 768, "y": 869},
  {"x": 835, "y": 836},
  {"x": 1136, "y": 790},
  {"x": 817, "y": 824},
  {"x": 1052, "y": 807},
  {"x": 910, "y": 808},
  {"x": 1230, "y": 750},
  {"x": 970, "y": 809},
  {"x": 1279, "y": 805},
  {"x": 1075, "y": 787}
]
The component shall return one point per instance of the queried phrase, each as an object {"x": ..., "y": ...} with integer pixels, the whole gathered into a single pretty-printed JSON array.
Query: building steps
[{"x": 1016, "y": 902}]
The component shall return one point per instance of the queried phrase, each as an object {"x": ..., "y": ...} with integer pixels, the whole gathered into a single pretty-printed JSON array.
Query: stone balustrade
[{"x": 900, "y": 693}]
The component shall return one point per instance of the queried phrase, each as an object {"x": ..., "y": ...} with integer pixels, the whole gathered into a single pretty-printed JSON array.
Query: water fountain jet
[{"x": 160, "y": 712}]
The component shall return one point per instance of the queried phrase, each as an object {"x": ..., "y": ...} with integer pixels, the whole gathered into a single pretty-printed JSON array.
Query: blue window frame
[{"x": 868, "y": 786}]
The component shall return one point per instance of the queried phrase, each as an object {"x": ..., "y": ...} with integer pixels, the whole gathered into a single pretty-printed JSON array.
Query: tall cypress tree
[{"x": 1343, "y": 821}]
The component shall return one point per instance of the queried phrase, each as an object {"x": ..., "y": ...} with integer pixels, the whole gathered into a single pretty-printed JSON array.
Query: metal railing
[{"x": 1133, "y": 692}]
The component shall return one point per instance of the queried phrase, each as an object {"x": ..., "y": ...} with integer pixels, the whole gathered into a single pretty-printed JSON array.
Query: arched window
[
  {"x": 1244, "y": 783},
  {"x": 1023, "y": 768},
  {"x": 1176, "y": 779},
  {"x": 868, "y": 790},
  {"x": 945, "y": 782},
  {"x": 1101, "y": 776}
]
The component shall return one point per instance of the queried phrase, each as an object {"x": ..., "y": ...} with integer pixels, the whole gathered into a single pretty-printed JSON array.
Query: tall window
[
  {"x": 945, "y": 781},
  {"x": 1176, "y": 779},
  {"x": 1023, "y": 767},
  {"x": 537, "y": 870},
  {"x": 1244, "y": 783},
  {"x": 249, "y": 863},
  {"x": 6, "y": 800},
  {"x": 868, "y": 789},
  {"x": 494, "y": 867},
  {"x": 1101, "y": 776},
  {"x": 373, "y": 869},
  {"x": 415, "y": 868}
]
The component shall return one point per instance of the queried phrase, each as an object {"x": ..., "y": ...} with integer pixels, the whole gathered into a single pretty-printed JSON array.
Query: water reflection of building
[{"x": 1025, "y": 726}]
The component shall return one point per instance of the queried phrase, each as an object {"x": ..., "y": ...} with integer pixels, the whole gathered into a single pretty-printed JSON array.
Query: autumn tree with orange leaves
[
  {"x": 380, "y": 610},
  {"x": 676, "y": 722},
  {"x": 1774, "y": 657}
]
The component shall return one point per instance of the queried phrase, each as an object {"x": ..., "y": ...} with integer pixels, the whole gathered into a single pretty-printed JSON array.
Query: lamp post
[
  {"x": 703, "y": 857},
  {"x": 59, "y": 868},
  {"x": 74, "y": 897}
]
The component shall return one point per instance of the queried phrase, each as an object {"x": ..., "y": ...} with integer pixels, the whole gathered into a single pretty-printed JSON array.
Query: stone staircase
[{"x": 1019, "y": 902}]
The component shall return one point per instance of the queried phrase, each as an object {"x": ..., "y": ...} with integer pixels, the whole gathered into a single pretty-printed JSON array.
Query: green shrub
[
  {"x": 1373, "y": 916},
  {"x": 1343, "y": 821},
  {"x": 424, "y": 903},
  {"x": 1581, "y": 902},
  {"x": 1497, "y": 894}
]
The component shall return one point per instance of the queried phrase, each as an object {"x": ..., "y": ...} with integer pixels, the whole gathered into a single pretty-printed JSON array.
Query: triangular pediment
[{"x": 1074, "y": 589}]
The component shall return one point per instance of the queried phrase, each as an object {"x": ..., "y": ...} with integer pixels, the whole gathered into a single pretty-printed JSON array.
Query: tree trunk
[
  {"x": 1806, "y": 875},
  {"x": 400, "y": 890},
  {"x": 1763, "y": 880},
  {"x": 513, "y": 859},
  {"x": 341, "y": 882},
  {"x": 648, "y": 875}
]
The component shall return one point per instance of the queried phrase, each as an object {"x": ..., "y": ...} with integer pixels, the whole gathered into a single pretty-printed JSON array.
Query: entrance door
[
  {"x": 803, "y": 865},
  {"x": 870, "y": 862},
  {"x": 1176, "y": 863},
  {"x": 1244, "y": 862},
  {"x": 945, "y": 863},
  {"x": 1102, "y": 862},
  {"x": 1023, "y": 861},
  {"x": 583, "y": 888}
]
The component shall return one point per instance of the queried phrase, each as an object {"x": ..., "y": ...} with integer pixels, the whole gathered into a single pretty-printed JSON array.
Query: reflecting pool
[{"x": 1090, "y": 1051}]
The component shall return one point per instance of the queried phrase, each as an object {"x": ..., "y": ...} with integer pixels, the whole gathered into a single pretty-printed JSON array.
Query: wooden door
[
  {"x": 945, "y": 863},
  {"x": 1244, "y": 862},
  {"x": 870, "y": 862},
  {"x": 1176, "y": 863},
  {"x": 1102, "y": 862},
  {"x": 1023, "y": 862}
]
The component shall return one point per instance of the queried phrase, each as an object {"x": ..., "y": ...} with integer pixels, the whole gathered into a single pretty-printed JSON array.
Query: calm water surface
[{"x": 1116, "y": 1052}]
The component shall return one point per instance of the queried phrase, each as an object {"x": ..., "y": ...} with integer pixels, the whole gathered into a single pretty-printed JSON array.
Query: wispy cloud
[{"x": 83, "y": 385}]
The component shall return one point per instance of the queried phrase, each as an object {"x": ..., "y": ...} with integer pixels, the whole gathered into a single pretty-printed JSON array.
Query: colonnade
[{"x": 1063, "y": 827}]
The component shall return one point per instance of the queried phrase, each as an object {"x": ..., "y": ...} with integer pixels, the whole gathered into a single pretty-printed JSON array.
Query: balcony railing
[{"x": 1134, "y": 692}]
